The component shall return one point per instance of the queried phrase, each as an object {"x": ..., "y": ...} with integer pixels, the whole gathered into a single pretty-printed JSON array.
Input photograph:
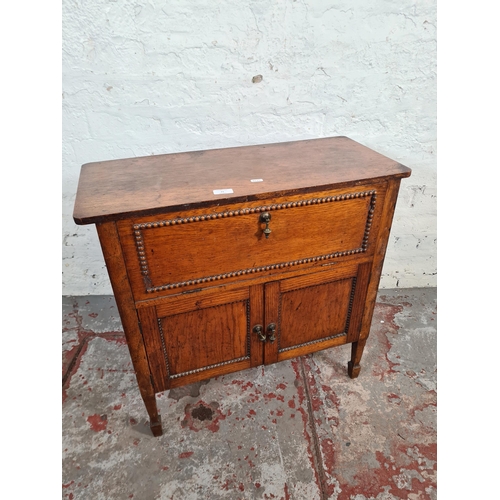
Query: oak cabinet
[{"x": 223, "y": 260}]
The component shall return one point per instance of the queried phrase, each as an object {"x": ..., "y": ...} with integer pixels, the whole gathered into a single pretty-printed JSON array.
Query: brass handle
[
  {"x": 258, "y": 330},
  {"x": 266, "y": 217},
  {"x": 271, "y": 330}
]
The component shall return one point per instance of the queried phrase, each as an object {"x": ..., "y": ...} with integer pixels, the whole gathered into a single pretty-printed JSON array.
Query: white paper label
[
  {"x": 223, "y": 191},
  {"x": 256, "y": 180}
]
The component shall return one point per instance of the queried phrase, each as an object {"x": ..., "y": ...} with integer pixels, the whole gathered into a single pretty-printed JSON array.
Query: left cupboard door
[{"x": 202, "y": 335}]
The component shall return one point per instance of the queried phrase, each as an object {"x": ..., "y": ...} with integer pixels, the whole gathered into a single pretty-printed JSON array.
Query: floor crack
[
  {"x": 83, "y": 341},
  {"x": 318, "y": 462}
]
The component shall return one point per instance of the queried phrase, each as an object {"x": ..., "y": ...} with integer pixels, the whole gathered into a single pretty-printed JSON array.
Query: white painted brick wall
[{"x": 155, "y": 77}]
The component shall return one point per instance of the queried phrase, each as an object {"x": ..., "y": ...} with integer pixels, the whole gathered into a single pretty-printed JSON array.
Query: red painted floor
[{"x": 300, "y": 429}]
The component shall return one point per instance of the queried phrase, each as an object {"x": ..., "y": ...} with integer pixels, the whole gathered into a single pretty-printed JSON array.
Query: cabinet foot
[
  {"x": 353, "y": 370},
  {"x": 156, "y": 427},
  {"x": 353, "y": 367},
  {"x": 154, "y": 416}
]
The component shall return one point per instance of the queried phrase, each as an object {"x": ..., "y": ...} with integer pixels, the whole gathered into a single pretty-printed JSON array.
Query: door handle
[
  {"x": 258, "y": 330},
  {"x": 271, "y": 330}
]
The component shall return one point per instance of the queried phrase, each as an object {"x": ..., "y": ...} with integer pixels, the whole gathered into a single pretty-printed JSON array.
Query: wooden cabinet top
[{"x": 116, "y": 189}]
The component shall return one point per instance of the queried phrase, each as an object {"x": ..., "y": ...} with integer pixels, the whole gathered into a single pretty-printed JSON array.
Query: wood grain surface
[
  {"x": 194, "y": 274},
  {"x": 117, "y": 189},
  {"x": 227, "y": 244}
]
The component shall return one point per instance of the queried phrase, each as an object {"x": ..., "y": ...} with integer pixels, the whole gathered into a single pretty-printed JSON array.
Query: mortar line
[{"x": 318, "y": 462}]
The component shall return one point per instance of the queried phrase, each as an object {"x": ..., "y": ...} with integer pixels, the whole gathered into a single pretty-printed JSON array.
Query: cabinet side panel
[
  {"x": 380, "y": 249},
  {"x": 110, "y": 244}
]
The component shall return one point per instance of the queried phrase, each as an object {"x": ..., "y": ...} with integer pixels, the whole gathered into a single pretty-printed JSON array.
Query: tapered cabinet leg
[
  {"x": 354, "y": 367},
  {"x": 115, "y": 263},
  {"x": 154, "y": 416}
]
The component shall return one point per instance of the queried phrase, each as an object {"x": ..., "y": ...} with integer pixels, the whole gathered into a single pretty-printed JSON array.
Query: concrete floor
[{"x": 300, "y": 429}]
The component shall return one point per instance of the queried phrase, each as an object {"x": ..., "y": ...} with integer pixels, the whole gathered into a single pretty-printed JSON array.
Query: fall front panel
[{"x": 188, "y": 249}]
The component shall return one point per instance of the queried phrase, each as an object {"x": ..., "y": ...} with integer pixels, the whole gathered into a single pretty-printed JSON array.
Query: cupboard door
[
  {"x": 315, "y": 311},
  {"x": 190, "y": 338}
]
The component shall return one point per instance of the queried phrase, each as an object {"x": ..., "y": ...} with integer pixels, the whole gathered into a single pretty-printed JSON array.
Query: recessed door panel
[
  {"x": 198, "y": 337},
  {"x": 206, "y": 337},
  {"x": 315, "y": 311}
]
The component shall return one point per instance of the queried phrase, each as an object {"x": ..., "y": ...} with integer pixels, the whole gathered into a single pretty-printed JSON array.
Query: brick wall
[{"x": 153, "y": 77}]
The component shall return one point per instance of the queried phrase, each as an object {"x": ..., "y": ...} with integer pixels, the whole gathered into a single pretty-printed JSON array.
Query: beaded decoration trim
[{"x": 141, "y": 252}]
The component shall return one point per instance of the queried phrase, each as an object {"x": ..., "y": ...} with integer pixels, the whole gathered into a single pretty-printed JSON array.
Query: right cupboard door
[{"x": 315, "y": 311}]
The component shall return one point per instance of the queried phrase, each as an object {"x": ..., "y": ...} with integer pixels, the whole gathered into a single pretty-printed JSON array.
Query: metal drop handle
[
  {"x": 266, "y": 218},
  {"x": 271, "y": 331},
  {"x": 260, "y": 332}
]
